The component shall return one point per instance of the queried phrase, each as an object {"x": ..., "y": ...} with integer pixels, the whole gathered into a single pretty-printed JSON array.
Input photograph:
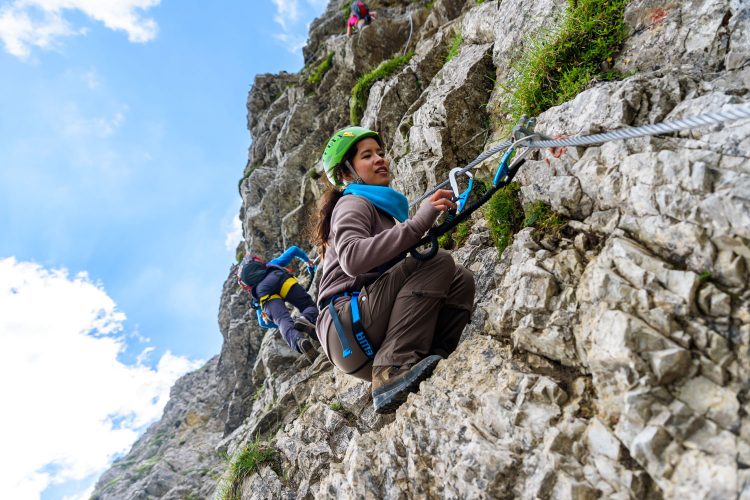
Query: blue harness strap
[
  {"x": 357, "y": 329},
  {"x": 345, "y": 348}
]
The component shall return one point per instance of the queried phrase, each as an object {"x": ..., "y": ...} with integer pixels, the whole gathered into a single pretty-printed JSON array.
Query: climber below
[
  {"x": 271, "y": 284},
  {"x": 385, "y": 317},
  {"x": 361, "y": 16}
]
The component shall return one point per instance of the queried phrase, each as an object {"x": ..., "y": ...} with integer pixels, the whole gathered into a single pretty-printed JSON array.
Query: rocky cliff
[{"x": 606, "y": 358}]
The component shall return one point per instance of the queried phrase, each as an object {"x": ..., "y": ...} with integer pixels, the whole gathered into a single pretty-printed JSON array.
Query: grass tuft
[
  {"x": 540, "y": 216},
  {"x": 455, "y": 46},
  {"x": 336, "y": 406},
  {"x": 249, "y": 169},
  {"x": 303, "y": 409},
  {"x": 321, "y": 69},
  {"x": 361, "y": 89},
  {"x": 558, "y": 66},
  {"x": 456, "y": 237},
  {"x": 242, "y": 465},
  {"x": 504, "y": 215},
  {"x": 240, "y": 252}
]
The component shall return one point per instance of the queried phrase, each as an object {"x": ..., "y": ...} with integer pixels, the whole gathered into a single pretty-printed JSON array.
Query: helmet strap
[{"x": 357, "y": 179}]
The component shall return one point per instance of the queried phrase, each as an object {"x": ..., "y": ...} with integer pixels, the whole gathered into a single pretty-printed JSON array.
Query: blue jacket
[
  {"x": 285, "y": 258},
  {"x": 276, "y": 274}
]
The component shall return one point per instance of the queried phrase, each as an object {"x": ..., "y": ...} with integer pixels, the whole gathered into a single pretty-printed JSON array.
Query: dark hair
[{"x": 331, "y": 196}]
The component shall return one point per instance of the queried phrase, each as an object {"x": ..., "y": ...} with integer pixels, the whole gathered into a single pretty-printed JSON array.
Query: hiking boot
[
  {"x": 391, "y": 385},
  {"x": 306, "y": 347},
  {"x": 302, "y": 325}
]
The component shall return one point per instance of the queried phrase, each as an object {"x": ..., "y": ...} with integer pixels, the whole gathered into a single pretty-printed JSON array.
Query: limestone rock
[{"x": 609, "y": 361}]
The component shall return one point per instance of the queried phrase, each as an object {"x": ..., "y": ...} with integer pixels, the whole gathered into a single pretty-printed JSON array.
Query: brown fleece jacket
[{"x": 363, "y": 238}]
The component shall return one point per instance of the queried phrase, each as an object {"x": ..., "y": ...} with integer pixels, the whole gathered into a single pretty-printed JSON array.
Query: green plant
[
  {"x": 271, "y": 404},
  {"x": 243, "y": 464},
  {"x": 317, "y": 74},
  {"x": 249, "y": 169},
  {"x": 456, "y": 237},
  {"x": 455, "y": 46},
  {"x": 504, "y": 215},
  {"x": 361, "y": 89},
  {"x": 240, "y": 252},
  {"x": 556, "y": 67},
  {"x": 303, "y": 409},
  {"x": 145, "y": 467},
  {"x": 343, "y": 412},
  {"x": 258, "y": 393},
  {"x": 540, "y": 216},
  {"x": 336, "y": 406},
  {"x": 704, "y": 276}
]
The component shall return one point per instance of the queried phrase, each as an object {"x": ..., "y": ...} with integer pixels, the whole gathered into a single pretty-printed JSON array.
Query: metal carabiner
[
  {"x": 461, "y": 198},
  {"x": 502, "y": 168}
]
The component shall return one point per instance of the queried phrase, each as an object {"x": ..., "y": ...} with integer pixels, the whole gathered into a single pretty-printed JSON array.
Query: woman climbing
[
  {"x": 384, "y": 317},
  {"x": 361, "y": 16}
]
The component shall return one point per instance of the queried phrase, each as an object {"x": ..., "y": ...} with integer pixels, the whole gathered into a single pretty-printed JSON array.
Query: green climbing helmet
[{"x": 338, "y": 146}]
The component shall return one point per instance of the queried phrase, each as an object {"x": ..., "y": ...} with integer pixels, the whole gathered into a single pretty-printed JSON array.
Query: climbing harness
[
  {"x": 263, "y": 319},
  {"x": 523, "y": 135},
  {"x": 357, "y": 329}
]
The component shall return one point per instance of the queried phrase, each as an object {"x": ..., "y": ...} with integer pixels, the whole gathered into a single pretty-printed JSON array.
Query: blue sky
[{"x": 122, "y": 137}]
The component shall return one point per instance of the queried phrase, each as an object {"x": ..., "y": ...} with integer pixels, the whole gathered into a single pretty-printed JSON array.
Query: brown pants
[{"x": 413, "y": 310}]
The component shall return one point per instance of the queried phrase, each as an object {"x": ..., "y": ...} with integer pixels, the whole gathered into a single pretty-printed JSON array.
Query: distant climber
[
  {"x": 361, "y": 15},
  {"x": 271, "y": 284},
  {"x": 385, "y": 317}
]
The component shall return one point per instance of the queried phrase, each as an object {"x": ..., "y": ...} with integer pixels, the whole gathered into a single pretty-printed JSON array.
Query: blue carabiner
[
  {"x": 461, "y": 198},
  {"x": 502, "y": 168}
]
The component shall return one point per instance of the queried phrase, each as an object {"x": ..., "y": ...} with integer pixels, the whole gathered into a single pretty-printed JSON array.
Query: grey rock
[{"x": 610, "y": 361}]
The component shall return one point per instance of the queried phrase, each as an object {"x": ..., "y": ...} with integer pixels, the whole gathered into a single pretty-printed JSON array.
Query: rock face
[{"x": 607, "y": 361}]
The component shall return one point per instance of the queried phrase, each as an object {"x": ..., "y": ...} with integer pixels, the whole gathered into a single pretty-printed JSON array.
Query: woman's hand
[{"x": 441, "y": 199}]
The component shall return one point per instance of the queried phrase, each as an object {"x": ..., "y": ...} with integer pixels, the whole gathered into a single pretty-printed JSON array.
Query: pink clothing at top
[{"x": 352, "y": 20}]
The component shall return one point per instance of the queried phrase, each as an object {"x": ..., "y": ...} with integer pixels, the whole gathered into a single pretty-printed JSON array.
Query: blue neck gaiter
[{"x": 385, "y": 198}]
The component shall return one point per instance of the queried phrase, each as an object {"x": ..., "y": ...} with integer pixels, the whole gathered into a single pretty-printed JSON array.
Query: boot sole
[
  {"x": 389, "y": 401},
  {"x": 305, "y": 327}
]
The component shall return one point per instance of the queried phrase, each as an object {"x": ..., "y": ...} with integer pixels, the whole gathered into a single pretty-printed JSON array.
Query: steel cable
[{"x": 732, "y": 114}]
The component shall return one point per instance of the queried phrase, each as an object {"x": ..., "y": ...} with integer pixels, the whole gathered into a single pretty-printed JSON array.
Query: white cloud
[
  {"x": 234, "y": 235},
  {"x": 91, "y": 79},
  {"x": 293, "y": 43},
  {"x": 73, "y": 125},
  {"x": 85, "y": 495},
  {"x": 25, "y": 24},
  {"x": 69, "y": 404},
  {"x": 293, "y": 33},
  {"x": 287, "y": 13}
]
